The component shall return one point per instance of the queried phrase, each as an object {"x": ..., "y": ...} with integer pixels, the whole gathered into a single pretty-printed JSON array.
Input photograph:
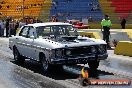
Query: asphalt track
[{"x": 30, "y": 75}]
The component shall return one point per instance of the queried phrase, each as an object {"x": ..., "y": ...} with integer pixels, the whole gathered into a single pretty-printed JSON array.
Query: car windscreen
[{"x": 56, "y": 30}]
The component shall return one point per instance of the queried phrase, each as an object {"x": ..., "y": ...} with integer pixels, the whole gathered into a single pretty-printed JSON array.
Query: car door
[
  {"x": 30, "y": 48},
  {"x": 44, "y": 32},
  {"x": 21, "y": 40}
]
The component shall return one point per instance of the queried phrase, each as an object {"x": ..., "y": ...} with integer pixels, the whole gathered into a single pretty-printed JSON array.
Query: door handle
[{"x": 17, "y": 38}]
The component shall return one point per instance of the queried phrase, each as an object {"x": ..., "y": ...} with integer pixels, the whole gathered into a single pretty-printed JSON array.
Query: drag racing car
[{"x": 56, "y": 44}]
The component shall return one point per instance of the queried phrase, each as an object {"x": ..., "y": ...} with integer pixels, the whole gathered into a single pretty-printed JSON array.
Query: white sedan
[{"x": 56, "y": 43}]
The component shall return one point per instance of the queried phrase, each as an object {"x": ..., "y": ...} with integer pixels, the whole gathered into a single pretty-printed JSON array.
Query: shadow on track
[{"x": 57, "y": 74}]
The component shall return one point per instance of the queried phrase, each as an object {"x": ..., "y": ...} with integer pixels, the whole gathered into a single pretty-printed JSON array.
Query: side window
[
  {"x": 24, "y": 32},
  {"x": 48, "y": 31},
  {"x": 40, "y": 31},
  {"x": 45, "y": 31},
  {"x": 32, "y": 32},
  {"x": 57, "y": 30}
]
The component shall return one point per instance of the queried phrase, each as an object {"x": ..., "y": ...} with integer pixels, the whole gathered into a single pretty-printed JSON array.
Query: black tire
[
  {"x": 46, "y": 67},
  {"x": 58, "y": 68},
  {"x": 93, "y": 69},
  {"x": 17, "y": 57}
]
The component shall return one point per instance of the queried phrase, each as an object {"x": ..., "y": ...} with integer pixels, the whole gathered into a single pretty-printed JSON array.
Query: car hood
[{"x": 69, "y": 42}]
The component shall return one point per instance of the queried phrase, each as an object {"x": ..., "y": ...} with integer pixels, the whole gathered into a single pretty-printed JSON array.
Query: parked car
[{"x": 56, "y": 43}]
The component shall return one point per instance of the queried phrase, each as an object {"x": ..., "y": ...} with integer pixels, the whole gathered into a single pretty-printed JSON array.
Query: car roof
[{"x": 47, "y": 24}]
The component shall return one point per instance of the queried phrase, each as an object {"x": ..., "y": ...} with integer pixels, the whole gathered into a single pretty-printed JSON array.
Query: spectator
[
  {"x": 90, "y": 19},
  {"x": 95, "y": 7},
  {"x": 3, "y": 2},
  {"x": 123, "y": 23},
  {"x": 2, "y": 28},
  {"x": 54, "y": 19},
  {"x": 106, "y": 24},
  {"x": 7, "y": 27},
  {"x": 90, "y": 4},
  {"x": 16, "y": 27},
  {"x": 0, "y": 6},
  {"x": 0, "y": 13},
  {"x": 21, "y": 24},
  {"x": 8, "y": 6},
  {"x": 11, "y": 28},
  {"x": 55, "y": 3},
  {"x": 28, "y": 20}
]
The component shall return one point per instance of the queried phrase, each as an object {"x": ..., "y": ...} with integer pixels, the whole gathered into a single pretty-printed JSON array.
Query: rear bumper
[{"x": 79, "y": 59}]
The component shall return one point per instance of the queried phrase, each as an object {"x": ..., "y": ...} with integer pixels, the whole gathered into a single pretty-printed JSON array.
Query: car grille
[
  {"x": 79, "y": 51},
  {"x": 86, "y": 50}
]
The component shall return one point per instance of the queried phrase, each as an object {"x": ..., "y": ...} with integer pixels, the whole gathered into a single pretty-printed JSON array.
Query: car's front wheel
[
  {"x": 17, "y": 57},
  {"x": 93, "y": 65},
  {"x": 45, "y": 64},
  {"x": 47, "y": 67}
]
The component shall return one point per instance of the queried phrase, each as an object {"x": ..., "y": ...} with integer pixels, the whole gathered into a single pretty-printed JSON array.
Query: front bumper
[{"x": 78, "y": 59}]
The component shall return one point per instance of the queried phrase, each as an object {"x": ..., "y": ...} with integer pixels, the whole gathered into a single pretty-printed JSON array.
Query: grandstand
[
  {"x": 14, "y": 8},
  {"x": 67, "y": 9},
  {"x": 76, "y": 9},
  {"x": 117, "y": 9}
]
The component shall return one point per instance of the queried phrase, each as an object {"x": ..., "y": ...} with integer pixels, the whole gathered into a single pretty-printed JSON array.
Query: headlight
[
  {"x": 93, "y": 49},
  {"x": 68, "y": 52},
  {"x": 102, "y": 48},
  {"x": 58, "y": 52}
]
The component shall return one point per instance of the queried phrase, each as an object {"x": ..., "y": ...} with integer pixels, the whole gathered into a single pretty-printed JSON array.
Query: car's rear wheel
[{"x": 17, "y": 57}]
